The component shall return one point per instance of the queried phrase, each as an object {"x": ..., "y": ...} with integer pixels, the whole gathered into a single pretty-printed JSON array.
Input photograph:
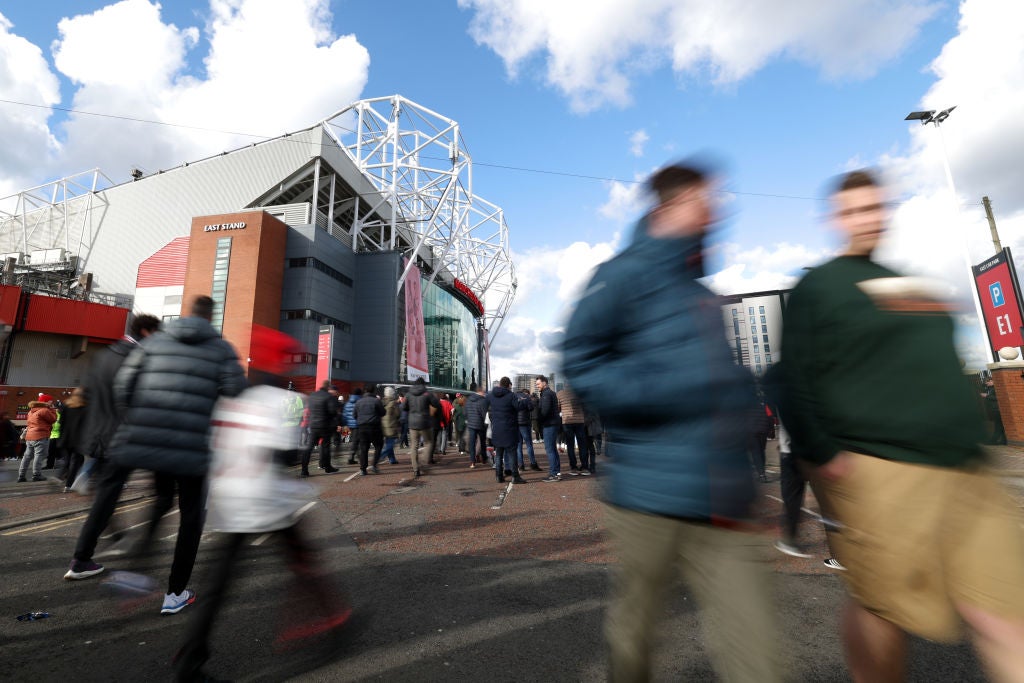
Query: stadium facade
[
  {"x": 753, "y": 327},
  {"x": 330, "y": 230}
]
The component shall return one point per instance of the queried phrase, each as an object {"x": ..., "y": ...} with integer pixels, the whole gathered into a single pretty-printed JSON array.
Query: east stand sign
[{"x": 999, "y": 292}]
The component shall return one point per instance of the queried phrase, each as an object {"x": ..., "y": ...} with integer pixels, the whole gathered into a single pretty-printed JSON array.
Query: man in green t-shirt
[{"x": 876, "y": 400}]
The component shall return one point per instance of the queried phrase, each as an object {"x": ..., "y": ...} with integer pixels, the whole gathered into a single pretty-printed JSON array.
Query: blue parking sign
[{"x": 996, "y": 290}]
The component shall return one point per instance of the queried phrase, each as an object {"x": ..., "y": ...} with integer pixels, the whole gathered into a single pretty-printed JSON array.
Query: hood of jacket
[
  {"x": 355, "y": 397},
  {"x": 500, "y": 391},
  {"x": 32, "y": 405},
  {"x": 191, "y": 330},
  {"x": 418, "y": 389},
  {"x": 685, "y": 253}
]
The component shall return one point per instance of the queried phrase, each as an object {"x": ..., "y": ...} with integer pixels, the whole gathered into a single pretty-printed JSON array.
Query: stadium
[{"x": 362, "y": 236}]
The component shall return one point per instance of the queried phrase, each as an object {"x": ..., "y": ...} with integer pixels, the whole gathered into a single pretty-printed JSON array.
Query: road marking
[
  {"x": 352, "y": 476},
  {"x": 136, "y": 526},
  {"x": 502, "y": 496},
  {"x": 259, "y": 541},
  {"x": 56, "y": 524}
]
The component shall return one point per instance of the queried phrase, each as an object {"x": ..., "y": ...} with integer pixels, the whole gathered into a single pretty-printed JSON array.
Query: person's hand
[{"x": 838, "y": 467}]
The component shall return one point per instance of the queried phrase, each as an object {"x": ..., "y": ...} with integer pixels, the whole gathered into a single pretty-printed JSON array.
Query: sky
[{"x": 583, "y": 100}]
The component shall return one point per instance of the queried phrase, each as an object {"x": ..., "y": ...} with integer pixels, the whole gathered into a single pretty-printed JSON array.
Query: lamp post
[{"x": 936, "y": 118}]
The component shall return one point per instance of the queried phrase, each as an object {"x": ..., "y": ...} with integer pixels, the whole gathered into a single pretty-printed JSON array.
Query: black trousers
[
  {"x": 364, "y": 436},
  {"x": 191, "y": 516},
  {"x": 793, "y": 486},
  {"x": 322, "y": 437},
  {"x": 756, "y": 446}
]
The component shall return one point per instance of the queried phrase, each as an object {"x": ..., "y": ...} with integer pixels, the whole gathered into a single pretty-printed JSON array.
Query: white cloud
[
  {"x": 124, "y": 59},
  {"x": 24, "y": 77},
  {"x": 626, "y": 201},
  {"x": 761, "y": 268},
  {"x": 637, "y": 141},
  {"x": 591, "y": 53}
]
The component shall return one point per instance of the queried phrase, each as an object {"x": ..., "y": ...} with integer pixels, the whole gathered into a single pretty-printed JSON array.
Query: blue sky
[{"x": 785, "y": 98}]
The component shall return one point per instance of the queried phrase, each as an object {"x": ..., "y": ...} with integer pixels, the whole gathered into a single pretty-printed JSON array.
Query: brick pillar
[{"x": 1008, "y": 377}]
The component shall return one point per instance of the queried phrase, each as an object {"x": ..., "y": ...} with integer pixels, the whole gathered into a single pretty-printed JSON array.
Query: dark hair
[
  {"x": 472, "y": 386},
  {"x": 325, "y": 385},
  {"x": 202, "y": 307},
  {"x": 850, "y": 181},
  {"x": 145, "y": 322},
  {"x": 420, "y": 381},
  {"x": 542, "y": 378},
  {"x": 671, "y": 179},
  {"x": 505, "y": 382},
  {"x": 358, "y": 391}
]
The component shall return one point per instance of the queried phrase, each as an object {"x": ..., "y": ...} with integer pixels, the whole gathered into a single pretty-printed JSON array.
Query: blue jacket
[
  {"x": 646, "y": 349},
  {"x": 349, "y": 412}
]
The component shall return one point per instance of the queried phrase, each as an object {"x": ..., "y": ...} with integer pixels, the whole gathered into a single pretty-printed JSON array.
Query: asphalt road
[{"x": 443, "y": 586}]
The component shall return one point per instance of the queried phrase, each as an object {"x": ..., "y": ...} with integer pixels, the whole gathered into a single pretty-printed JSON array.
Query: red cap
[
  {"x": 272, "y": 350},
  {"x": 45, "y": 398}
]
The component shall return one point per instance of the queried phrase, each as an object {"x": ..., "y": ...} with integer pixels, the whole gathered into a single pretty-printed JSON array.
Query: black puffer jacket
[
  {"x": 323, "y": 410},
  {"x": 476, "y": 410},
  {"x": 504, "y": 409},
  {"x": 549, "y": 413},
  {"x": 525, "y": 407},
  {"x": 167, "y": 388},
  {"x": 417, "y": 404}
]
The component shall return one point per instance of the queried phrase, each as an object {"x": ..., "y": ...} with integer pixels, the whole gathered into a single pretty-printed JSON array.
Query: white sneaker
[
  {"x": 175, "y": 602},
  {"x": 833, "y": 563}
]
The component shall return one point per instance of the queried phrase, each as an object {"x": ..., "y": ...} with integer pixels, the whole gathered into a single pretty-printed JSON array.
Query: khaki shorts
[{"x": 917, "y": 539}]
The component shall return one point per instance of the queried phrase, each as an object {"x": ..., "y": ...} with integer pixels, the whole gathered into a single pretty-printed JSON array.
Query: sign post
[
  {"x": 999, "y": 292},
  {"x": 325, "y": 342}
]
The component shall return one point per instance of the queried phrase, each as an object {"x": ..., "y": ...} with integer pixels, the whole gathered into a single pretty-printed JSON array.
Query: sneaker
[
  {"x": 38, "y": 477},
  {"x": 362, "y": 473},
  {"x": 22, "y": 479},
  {"x": 535, "y": 467},
  {"x": 375, "y": 470},
  {"x": 518, "y": 480},
  {"x": 833, "y": 563},
  {"x": 575, "y": 472},
  {"x": 175, "y": 602},
  {"x": 790, "y": 549},
  {"x": 82, "y": 570},
  {"x": 585, "y": 473},
  {"x": 551, "y": 478}
]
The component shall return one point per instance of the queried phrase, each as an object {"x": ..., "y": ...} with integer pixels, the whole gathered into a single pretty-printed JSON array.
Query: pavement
[{"x": 451, "y": 576}]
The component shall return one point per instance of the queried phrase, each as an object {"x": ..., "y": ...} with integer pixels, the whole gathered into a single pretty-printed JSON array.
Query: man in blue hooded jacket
[{"x": 645, "y": 348}]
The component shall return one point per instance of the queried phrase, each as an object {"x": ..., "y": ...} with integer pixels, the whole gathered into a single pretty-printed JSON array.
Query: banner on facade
[
  {"x": 324, "y": 344},
  {"x": 415, "y": 334},
  {"x": 999, "y": 292}
]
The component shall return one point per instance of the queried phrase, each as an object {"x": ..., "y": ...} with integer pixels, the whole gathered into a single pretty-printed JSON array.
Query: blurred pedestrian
[
  {"x": 998, "y": 434},
  {"x": 349, "y": 422},
  {"x": 523, "y": 417},
  {"x": 879, "y": 405},
  {"x": 390, "y": 424},
  {"x": 459, "y": 423},
  {"x": 251, "y": 493},
  {"x": 645, "y": 348},
  {"x": 72, "y": 438},
  {"x": 476, "y": 426},
  {"x": 8, "y": 438},
  {"x": 575, "y": 430},
  {"x": 550, "y": 424}
]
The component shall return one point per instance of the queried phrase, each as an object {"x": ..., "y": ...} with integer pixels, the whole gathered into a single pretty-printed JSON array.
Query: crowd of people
[{"x": 870, "y": 408}]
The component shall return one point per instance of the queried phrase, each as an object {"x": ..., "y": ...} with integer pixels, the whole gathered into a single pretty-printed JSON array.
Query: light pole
[{"x": 936, "y": 118}]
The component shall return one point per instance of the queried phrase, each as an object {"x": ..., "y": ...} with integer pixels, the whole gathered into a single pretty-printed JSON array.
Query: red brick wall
[
  {"x": 255, "y": 271},
  {"x": 1009, "y": 385}
]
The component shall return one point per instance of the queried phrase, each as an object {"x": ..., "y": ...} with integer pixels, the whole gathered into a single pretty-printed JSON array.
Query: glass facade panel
[
  {"x": 220, "y": 282},
  {"x": 451, "y": 338}
]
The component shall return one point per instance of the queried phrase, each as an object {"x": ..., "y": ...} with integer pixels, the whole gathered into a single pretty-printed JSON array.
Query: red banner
[
  {"x": 323, "y": 354},
  {"x": 999, "y": 292},
  {"x": 415, "y": 334}
]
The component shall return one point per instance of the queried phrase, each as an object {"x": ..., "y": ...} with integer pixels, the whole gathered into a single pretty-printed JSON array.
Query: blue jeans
[
  {"x": 389, "y": 449},
  {"x": 551, "y": 446},
  {"x": 525, "y": 439},
  {"x": 477, "y": 435},
  {"x": 579, "y": 431}
]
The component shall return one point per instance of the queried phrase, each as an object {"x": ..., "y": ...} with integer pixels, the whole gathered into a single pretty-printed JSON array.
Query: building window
[
  {"x": 763, "y": 319},
  {"x": 764, "y": 328},
  {"x": 168, "y": 318},
  {"x": 765, "y": 339},
  {"x": 302, "y": 358},
  {"x": 308, "y": 314},
  {"x": 760, "y": 309},
  {"x": 339, "y": 364},
  {"x": 734, "y": 313},
  {"x": 757, "y": 358},
  {"x": 759, "y": 369},
  {"x": 750, "y": 310},
  {"x": 310, "y": 262},
  {"x": 220, "y": 282},
  {"x": 768, "y": 358},
  {"x": 767, "y": 348}
]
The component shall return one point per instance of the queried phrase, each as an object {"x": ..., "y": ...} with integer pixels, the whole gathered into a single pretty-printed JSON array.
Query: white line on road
[
  {"x": 352, "y": 476},
  {"x": 502, "y": 496}
]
